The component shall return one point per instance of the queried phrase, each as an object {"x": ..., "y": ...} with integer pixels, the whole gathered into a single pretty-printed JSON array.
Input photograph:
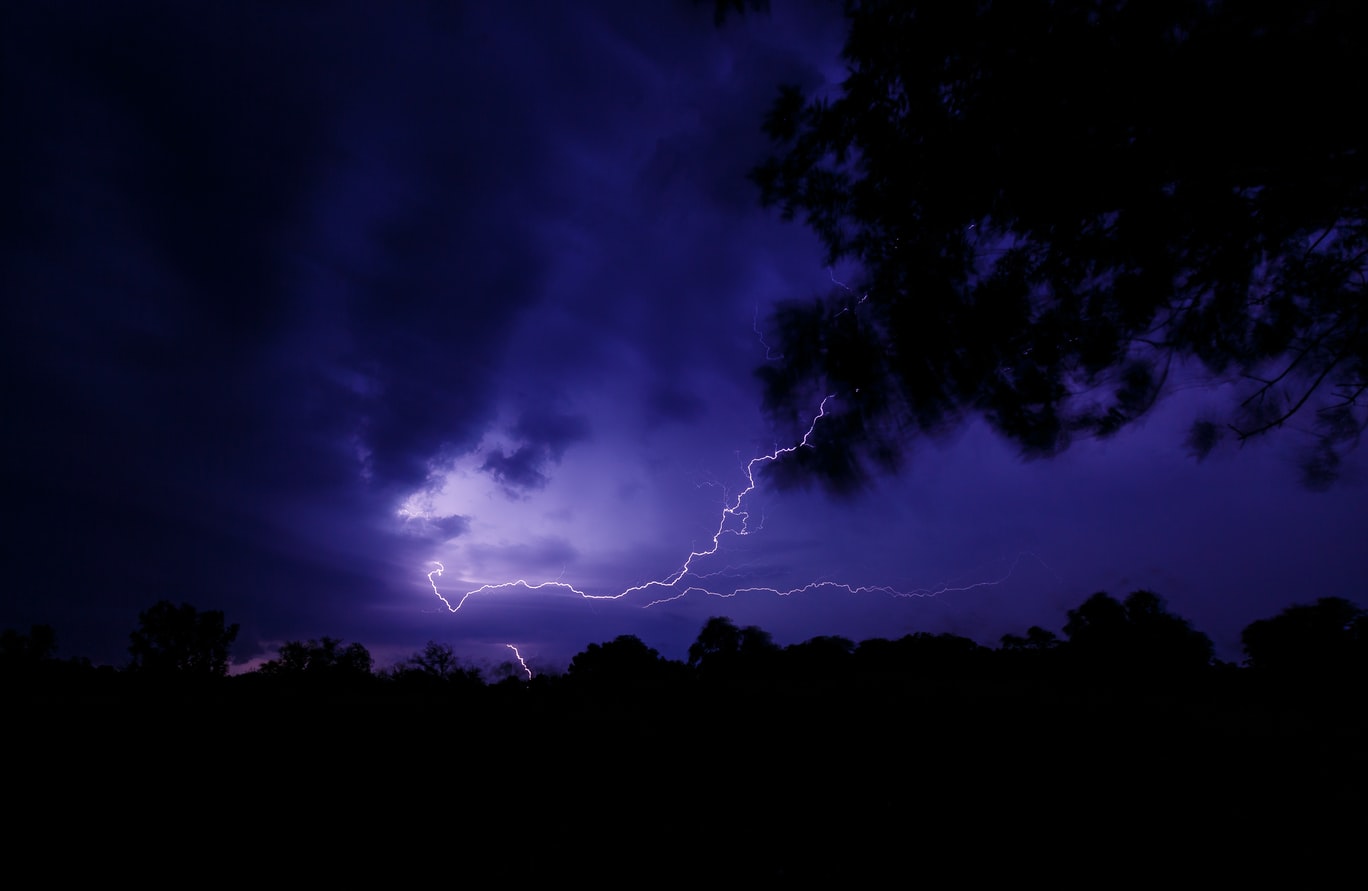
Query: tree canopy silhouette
[
  {"x": 624, "y": 662},
  {"x": 322, "y": 658},
  {"x": 1054, "y": 207},
  {"x": 181, "y": 640},
  {"x": 1327, "y": 637},
  {"x": 436, "y": 662},
  {"x": 27, "y": 650},
  {"x": 722, "y": 649},
  {"x": 1136, "y": 635}
]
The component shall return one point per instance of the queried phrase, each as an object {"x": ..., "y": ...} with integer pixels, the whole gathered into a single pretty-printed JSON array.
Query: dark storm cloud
[
  {"x": 685, "y": 272},
  {"x": 437, "y": 529},
  {"x": 519, "y": 469},
  {"x": 667, "y": 404},
  {"x": 258, "y": 266},
  {"x": 711, "y": 159},
  {"x": 261, "y": 269},
  {"x": 551, "y": 432},
  {"x": 542, "y": 439}
]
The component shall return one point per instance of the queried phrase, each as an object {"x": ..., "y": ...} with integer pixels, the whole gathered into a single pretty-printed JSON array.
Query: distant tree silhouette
[
  {"x": 1036, "y": 653},
  {"x": 1329, "y": 637},
  {"x": 724, "y": 650},
  {"x": 625, "y": 661},
  {"x": 878, "y": 656},
  {"x": 322, "y": 658},
  {"x": 920, "y": 655},
  {"x": 756, "y": 644},
  {"x": 1099, "y": 618},
  {"x": 1041, "y": 234},
  {"x": 826, "y": 657},
  {"x": 1137, "y": 635},
  {"x": 181, "y": 640},
  {"x": 436, "y": 659},
  {"x": 27, "y": 650},
  {"x": 436, "y": 663},
  {"x": 719, "y": 640},
  {"x": 1038, "y": 638}
]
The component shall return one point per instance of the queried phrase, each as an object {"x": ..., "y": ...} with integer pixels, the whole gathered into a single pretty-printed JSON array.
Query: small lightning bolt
[
  {"x": 845, "y": 287},
  {"x": 852, "y": 589},
  {"x": 520, "y": 659},
  {"x": 770, "y": 354}
]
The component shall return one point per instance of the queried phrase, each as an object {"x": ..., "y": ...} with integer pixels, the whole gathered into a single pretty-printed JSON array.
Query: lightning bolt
[
  {"x": 852, "y": 589},
  {"x": 734, "y": 520},
  {"x": 520, "y": 659},
  {"x": 770, "y": 354},
  {"x": 845, "y": 287}
]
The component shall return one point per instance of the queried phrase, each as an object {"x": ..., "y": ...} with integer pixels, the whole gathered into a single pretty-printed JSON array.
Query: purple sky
[{"x": 297, "y": 304}]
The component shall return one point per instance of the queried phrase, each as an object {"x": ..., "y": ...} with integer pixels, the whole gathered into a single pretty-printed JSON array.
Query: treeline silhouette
[
  {"x": 1129, "y": 645},
  {"x": 823, "y": 759}
]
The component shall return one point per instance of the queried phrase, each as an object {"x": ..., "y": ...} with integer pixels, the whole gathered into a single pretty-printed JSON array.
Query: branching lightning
[
  {"x": 845, "y": 287},
  {"x": 734, "y": 520}
]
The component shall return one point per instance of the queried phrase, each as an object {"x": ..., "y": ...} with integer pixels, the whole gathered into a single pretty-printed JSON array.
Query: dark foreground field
[{"x": 634, "y": 782}]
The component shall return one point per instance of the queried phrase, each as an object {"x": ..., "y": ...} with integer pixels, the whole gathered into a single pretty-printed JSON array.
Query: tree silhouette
[
  {"x": 625, "y": 661},
  {"x": 1137, "y": 635},
  {"x": 722, "y": 650},
  {"x": 758, "y": 653},
  {"x": 825, "y": 657},
  {"x": 718, "y": 640},
  {"x": 181, "y": 640},
  {"x": 322, "y": 658},
  {"x": 27, "y": 650},
  {"x": 1054, "y": 206},
  {"x": 1329, "y": 637},
  {"x": 1036, "y": 638},
  {"x": 437, "y": 662}
]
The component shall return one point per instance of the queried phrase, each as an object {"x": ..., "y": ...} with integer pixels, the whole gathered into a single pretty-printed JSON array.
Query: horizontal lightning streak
[
  {"x": 729, "y": 512},
  {"x": 734, "y": 520},
  {"x": 849, "y": 589}
]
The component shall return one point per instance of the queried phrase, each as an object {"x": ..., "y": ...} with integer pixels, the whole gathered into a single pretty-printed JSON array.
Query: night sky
[{"x": 297, "y": 303}]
